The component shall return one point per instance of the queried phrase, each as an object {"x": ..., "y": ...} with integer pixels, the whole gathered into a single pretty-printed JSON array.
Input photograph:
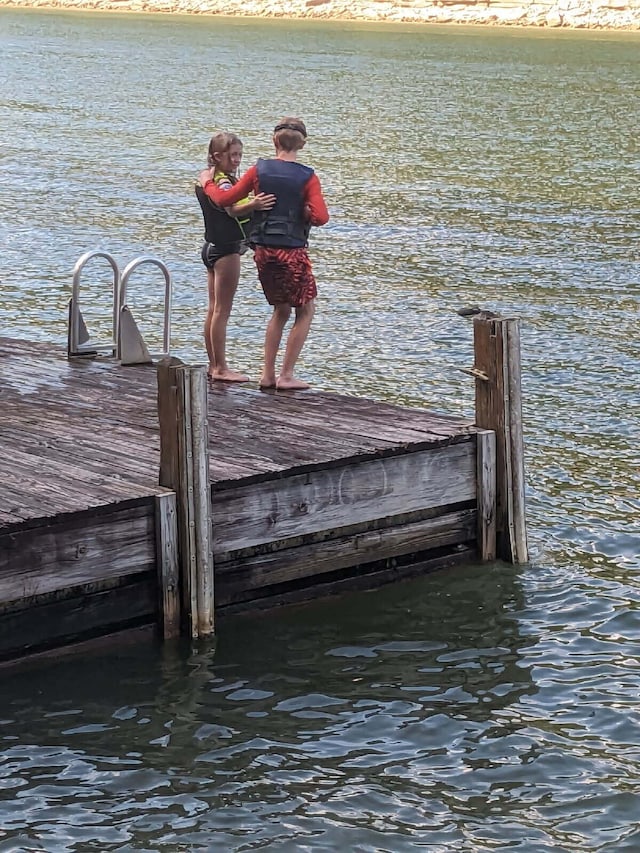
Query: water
[{"x": 488, "y": 708}]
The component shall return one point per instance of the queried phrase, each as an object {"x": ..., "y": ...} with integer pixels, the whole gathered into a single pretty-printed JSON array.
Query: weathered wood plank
[
  {"x": 96, "y": 417},
  {"x": 182, "y": 396},
  {"x": 349, "y": 419},
  {"x": 362, "y": 408},
  {"x": 238, "y": 579},
  {"x": 19, "y": 506},
  {"x": 167, "y": 405},
  {"x": 204, "y": 585},
  {"x": 333, "y": 430},
  {"x": 330, "y": 499},
  {"x": 66, "y": 620},
  {"x": 75, "y": 450},
  {"x": 486, "y": 491},
  {"x": 167, "y": 562},
  {"x": 498, "y": 408},
  {"x": 185, "y": 496},
  {"x": 367, "y": 577},
  {"x": 520, "y": 550},
  {"x": 318, "y": 481},
  {"x": 38, "y": 561},
  {"x": 49, "y": 488},
  {"x": 58, "y": 474}
]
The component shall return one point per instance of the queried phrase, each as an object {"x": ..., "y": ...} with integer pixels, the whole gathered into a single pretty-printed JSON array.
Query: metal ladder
[{"x": 127, "y": 343}]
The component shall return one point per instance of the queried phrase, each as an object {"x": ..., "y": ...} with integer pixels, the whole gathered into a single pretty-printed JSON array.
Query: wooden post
[
  {"x": 184, "y": 468},
  {"x": 167, "y": 559},
  {"x": 499, "y": 408},
  {"x": 486, "y": 493},
  {"x": 204, "y": 593},
  {"x": 167, "y": 408}
]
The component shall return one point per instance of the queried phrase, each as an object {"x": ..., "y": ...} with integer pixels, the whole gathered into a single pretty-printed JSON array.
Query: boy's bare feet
[
  {"x": 290, "y": 383},
  {"x": 267, "y": 380},
  {"x": 227, "y": 375}
]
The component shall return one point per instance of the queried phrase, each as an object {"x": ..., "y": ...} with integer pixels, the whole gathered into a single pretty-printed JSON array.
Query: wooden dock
[{"x": 310, "y": 493}]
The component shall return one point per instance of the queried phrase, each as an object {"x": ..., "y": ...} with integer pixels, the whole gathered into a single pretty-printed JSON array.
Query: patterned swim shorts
[{"x": 285, "y": 275}]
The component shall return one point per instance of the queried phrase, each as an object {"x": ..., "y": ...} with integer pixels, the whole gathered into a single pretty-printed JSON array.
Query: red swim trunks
[{"x": 285, "y": 275}]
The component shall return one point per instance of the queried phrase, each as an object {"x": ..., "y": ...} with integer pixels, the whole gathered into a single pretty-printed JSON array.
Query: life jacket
[
  {"x": 220, "y": 228},
  {"x": 285, "y": 225}
]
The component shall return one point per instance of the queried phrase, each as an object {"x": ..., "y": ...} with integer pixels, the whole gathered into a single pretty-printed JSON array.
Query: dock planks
[
  {"x": 84, "y": 433},
  {"x": 302, "y": 484}
]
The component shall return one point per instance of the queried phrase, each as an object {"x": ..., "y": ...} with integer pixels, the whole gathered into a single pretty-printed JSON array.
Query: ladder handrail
[
  {"x": 124, "y": 280},
  {"x": 74, "y": 320}
]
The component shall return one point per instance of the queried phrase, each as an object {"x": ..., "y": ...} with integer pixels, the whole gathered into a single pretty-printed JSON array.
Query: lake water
[{"x": 486, "y": 708}]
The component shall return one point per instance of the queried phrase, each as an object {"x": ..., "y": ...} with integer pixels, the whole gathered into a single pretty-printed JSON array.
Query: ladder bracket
[{"x": 132, "y": 347}]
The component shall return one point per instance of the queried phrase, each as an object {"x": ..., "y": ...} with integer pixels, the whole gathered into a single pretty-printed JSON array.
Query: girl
[{"x": 226, "y": 232}]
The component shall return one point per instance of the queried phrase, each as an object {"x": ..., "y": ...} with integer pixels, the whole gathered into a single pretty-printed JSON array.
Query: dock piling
[
  {"x": 486, "y": 494},
  {"x": 498, "y": 404},
  {"x": 168, "y": 567},
  {"x": 184, "y": 468}
]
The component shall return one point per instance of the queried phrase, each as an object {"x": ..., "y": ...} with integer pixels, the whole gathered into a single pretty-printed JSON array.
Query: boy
[{"x": 280, "y": 238}]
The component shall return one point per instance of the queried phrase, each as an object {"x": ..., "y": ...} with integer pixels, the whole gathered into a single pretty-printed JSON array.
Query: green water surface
[{"x": 490, "y": 708}]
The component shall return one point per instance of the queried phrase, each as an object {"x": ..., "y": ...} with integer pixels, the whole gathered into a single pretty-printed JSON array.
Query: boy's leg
[
  {"x": 295, "y": 342},
  {"x": 227, "y": 275},
  {"x": 272, "y": 338}
]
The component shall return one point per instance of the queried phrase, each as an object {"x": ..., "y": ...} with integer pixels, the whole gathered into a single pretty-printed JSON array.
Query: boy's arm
[
  {"x": 223, "y": 182},
  {"x": 315, "y": 207},
  {"x": 225, "y": 198}
]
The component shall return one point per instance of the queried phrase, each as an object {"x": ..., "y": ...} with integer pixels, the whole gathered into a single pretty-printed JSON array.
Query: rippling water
[{"x": 487, "y": 708}]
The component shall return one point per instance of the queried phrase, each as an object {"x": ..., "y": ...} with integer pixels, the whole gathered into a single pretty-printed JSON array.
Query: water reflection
[
  {"x": 323, "y": 726},
  {"x": 316, "y": 713}
]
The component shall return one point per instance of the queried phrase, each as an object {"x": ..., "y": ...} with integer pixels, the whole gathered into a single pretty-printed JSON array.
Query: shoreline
[{"x": 598, "y": 15}]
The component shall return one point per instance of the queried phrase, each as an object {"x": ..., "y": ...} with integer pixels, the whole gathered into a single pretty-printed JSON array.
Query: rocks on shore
[{"x": 588, "y": 14}]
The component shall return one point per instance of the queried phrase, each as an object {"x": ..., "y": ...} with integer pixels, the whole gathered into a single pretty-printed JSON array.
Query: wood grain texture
[
  {"x": 368, "y": 577},
  {"x": 328, "y": 499},
  {"x": 486, "y": 494},
  {"x": 240, "y": 579},
  {"x": 498, "y": 408},
  {"x": 520, "y": 550},
  {"x": 167, "y": 564},
  {"x": 85, "y": 433},
  {"x": 76, "y": 551}
]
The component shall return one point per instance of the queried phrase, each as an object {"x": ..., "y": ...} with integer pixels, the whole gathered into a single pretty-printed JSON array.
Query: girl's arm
[{"x": 239, "y": 208}]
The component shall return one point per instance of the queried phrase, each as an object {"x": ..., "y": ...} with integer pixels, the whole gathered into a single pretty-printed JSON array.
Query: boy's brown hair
[{"x": 290, "y": 134}]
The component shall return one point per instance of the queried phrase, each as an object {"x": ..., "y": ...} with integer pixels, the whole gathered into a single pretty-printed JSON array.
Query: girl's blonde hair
[
  {"x": 220, "y": 143},
  {"x": 290, "y": 134}
]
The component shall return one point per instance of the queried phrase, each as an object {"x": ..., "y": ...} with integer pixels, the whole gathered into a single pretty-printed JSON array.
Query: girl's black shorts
[{"x": 212, "y": 253}]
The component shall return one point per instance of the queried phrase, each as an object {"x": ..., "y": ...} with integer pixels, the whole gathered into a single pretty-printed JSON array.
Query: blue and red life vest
[{"x": 285, "y": 225}]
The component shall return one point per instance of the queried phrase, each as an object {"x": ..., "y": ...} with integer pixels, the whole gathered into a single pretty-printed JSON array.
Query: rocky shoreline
[{"x": 583, "y": 14}]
